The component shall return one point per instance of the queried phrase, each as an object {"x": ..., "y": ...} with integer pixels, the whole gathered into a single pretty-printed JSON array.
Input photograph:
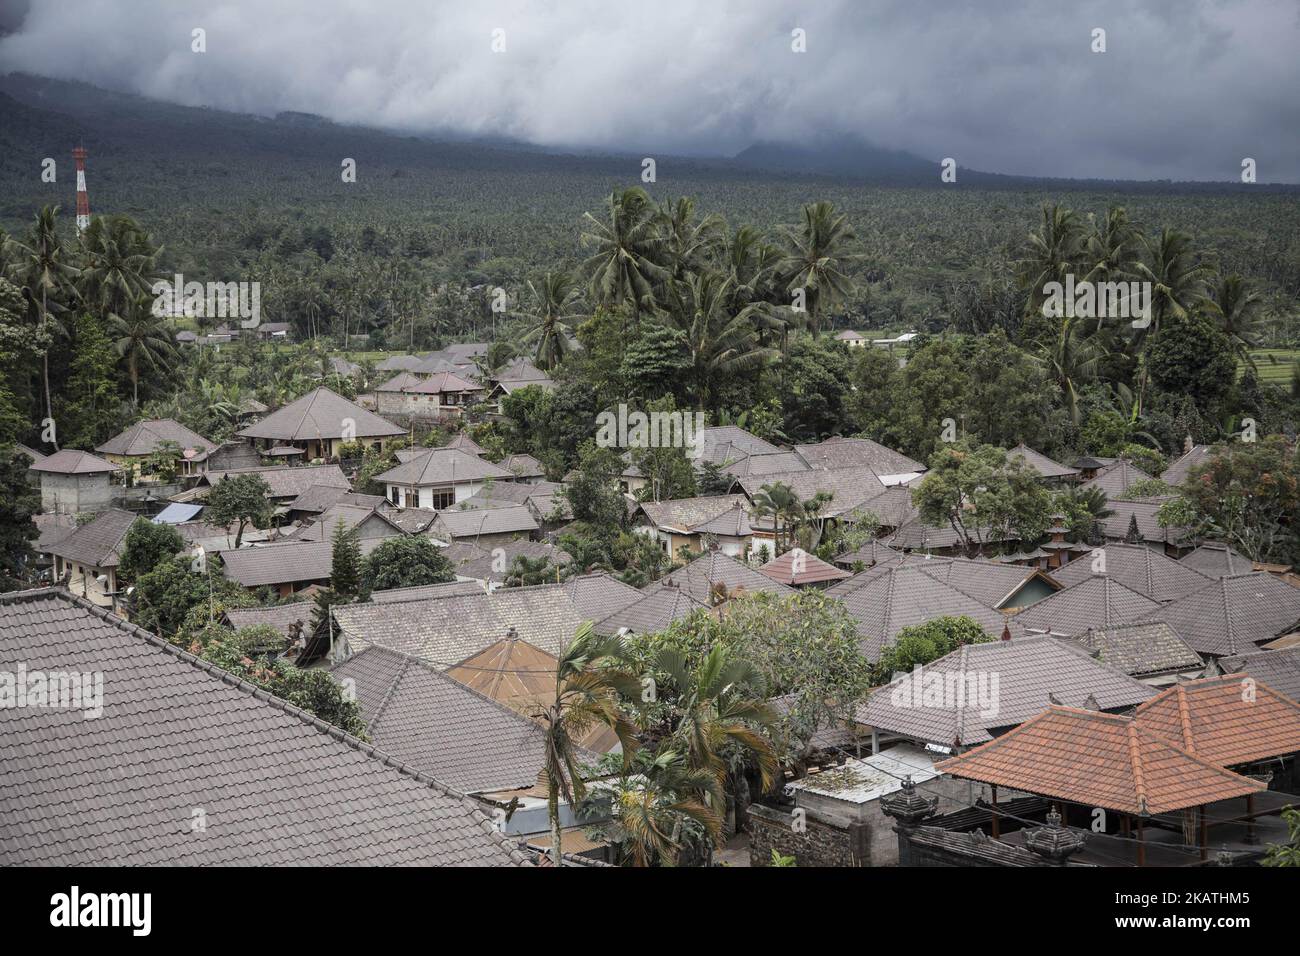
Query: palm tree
[
  {"x": 120, "y": 263},
  {"x": 1073, "y": 357},
  {"x": 627, "y": 265},
  {"x": 143, "y": 339},
  {"x": 1052, "y": 255},
  {"x": 720, "y": 343},
  {"x": 587, "y": 687},
  {"x": 813, "y": 259},
  {"x": 721, "y": 703},
  {"x": 1110, "y": 249},
  {"x": 45, "y": 274},
  {"x": 648, "y": 809},
  {"x": 554, "y": 313},
  {"x": 1238, "y": 311},
  {"x": 778, "y": 501},
  {"x": 688, "y": 245}
]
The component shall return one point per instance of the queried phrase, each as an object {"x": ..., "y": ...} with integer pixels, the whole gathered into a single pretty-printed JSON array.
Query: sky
[{"x": 1185, "y": 89}]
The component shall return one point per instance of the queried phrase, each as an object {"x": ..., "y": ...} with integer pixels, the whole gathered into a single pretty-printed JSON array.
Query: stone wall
[{"x": 813, "y": 844}]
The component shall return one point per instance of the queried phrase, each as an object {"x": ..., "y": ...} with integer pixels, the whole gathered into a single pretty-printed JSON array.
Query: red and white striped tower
[{"x": 83, "y": 200}]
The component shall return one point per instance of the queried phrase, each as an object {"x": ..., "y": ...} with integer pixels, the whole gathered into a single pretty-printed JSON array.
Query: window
[
  {"x": 395, "y": 495},
  {"x": 443, "y": 498}
]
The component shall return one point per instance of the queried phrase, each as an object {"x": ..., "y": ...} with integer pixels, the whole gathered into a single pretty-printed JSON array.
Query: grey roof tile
[
  {"x": 1140, "y": 568},
  {"x": 1096, "y": 601},
  {"x": 1233, "y": 614},
  {"x": 857, "y": 453},
  {"x": 320, "y": 414},
  {"x": 1280, "y": 670},
  {"x": 98, "y": 542},
  {"x": 144, "y": 438},
  {"x": 1141, "y": 650}
]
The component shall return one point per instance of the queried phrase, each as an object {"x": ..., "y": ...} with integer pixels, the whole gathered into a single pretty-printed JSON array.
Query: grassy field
[{"x": 1276, "y": 365}]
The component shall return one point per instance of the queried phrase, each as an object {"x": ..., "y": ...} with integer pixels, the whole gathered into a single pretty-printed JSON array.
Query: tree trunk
[{"x": 553, "y": 811}]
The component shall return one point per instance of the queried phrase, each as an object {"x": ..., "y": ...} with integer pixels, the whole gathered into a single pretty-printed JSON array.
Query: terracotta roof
[
  {"x": 98, "y": 542},
  {"x": 144, "y": 438},
  {"x": 511, "y": 672},
  {"x": 1117, "y": 478},
  {"x": 1233, "y": 614},
  {"x": 1099, "y": 760},
  {"x": 1142, "y": 650},
  {"x": 71, "y": 462},
  {"x": 812, "y": 570},
  {"x": 1228, "y": 720},
  {"x": 1032, "y": 673},
  {"x": 440, "y": 726},
  {"x": 1041, "y": 463},
  {"x": 443, "y": 466},
  {"x": 885, "y": 599},
  {"x": 1139, "y": 568},
  {"x": 1097, "y": 601},
  {"x": 277, "y": 785},
  {"x": 1217, "y": 560},
  {"x": 320, "y": 414},
  {"x": 857, "y": 453},
  {"x": 1279, "y": 669}
]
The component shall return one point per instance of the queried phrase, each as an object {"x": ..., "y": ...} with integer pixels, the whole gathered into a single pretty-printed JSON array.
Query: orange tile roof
[
  {"x": 1102, "y": 760},
  {"x": 811, "y": 569},
  {"x": 1225, "y": 719}
]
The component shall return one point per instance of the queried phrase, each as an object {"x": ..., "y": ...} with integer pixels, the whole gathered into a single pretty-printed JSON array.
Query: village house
[
  {"x": 693, "y": 524},
  {"x": 134, "y": 448},
  {"x": 854, "y": 340},
  {"x": 86, "y": 559},
  {"x": 319, "y": 423},
  {"x": 438, "y": 478},
  {"x": 443, "y": 396},
  {"x": 228, "y": 456},
  {"x": 74, "y": 482},
  {"x": 490, "y": 527}
]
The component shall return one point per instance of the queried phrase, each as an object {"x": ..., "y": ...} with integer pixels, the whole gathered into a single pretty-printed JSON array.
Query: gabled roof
[
  {"x": 810, "y": 569},
  {"x": 851, "y": 489},
  {"x": 98, "y": 542},
  {"x": 472, "y": 522},
  {"x": 721, "y": 444},
  {"x": 991, "y": 582},
  {"x": 317, "y": 498},
  {"x": 1115, "y": 527},
  {"x": 277, "y": 786},
  {"x": 599, "y": 593},
  {"x": 68, "y": 461},
  {"x": 1099, "y": 760},
  {"x": 1142, "y": 650},
  {"x": 1115, "y": 479},
  {"x": 144, "y": 438},
  {"x": 523, "y": 466},
  {"x": 1229, "y": 720},
  {"x": 290, "y": 563},
  {"x": 287, "y": 481},
  {"x": 441, "y": 727},
  {"x": 1217, "y": 560},
  {"x": 686, "y": 515},
  {"x": 398, "y": 363},
  {"x": 1181, "y": 466},
  {"x": 1140, "y": 568},
  {"x": 1041, "y": 463},
  {"x": 442, "y": 466},
  {"x": 857, "y": 453},
  {"x": 1096, "y": 601},
  {"x": 445, "y": 630},
  {"x": 1233, "y": 614},
  {"x": 462, "y": 442},
  {"x": 493, "y": 564},
  {"x": 1280, "y": 669},
  {"x": 651, "y": 613},
  {"x": 399, "y": 382},
  {"x": 378, "y": 519},
  {"x": 282, "y": 617},
  {"x": 1033, "y": 672},
  {"x": 440, "y": 382},
  {"x": 320, "y": 414},
  {"x": 712, "y": 572},
  {"x": 872, "y": 553},
  {"x": 885, "y": 599},
  {"x": 755, "y": 466},
  {"x": 520, "y": 370}
]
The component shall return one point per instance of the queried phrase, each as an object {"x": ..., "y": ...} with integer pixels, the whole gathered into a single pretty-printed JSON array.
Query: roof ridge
[
  {"x": 388, "y": 694},
  {"x": 252, "y": 690},
  {"x": 1135, "y": 764}
]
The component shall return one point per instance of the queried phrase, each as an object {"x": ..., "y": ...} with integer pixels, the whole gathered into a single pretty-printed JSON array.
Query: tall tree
[
  {"x": 814, "y": 257},
  {"x": 553, "y": 315},
  {"x": 627, "y": 265}
]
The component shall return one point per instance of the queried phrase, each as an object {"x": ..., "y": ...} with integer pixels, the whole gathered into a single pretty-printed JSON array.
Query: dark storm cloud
[{"x": 1185, "y": 89}]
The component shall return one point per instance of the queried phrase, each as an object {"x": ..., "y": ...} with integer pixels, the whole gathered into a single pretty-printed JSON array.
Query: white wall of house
[{"x": 405, "y": 494}]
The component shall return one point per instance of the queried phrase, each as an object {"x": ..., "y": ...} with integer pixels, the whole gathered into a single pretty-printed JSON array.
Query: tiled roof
[
  {"x": 511, "y": 672},
  {"x": 1233, "y": 614},
  {"x": 285, "y": 563},
  {"x": 1041, "y": 463},
  {"x": 651, "y": 613},
  {"x": 1142, "y": 650},
  {"x": 419, "y": 592},
  {"x": 915, "y": 534},
  {"x": 756, "y": 466},
  {"x": 472, "y": 522},
  {"x": 282, "y": 617},
  {"x": 143, "y": 438},
  {"x": 440, "y": 382},
  {"x": 685, "y": 514},
  {"x": 595, "y": 595},
  {"x": 1094, "y": 602},
  {"x": 445, "y": 630},
  {"x": 851, "y": 489},
  {"x": 872, "y": 553},
  {"x": 96, "y": 543},
  {"x": 71, "y": 462},
  {"x": 524, "y": 466},
  {"x": 462, "y": 442},
  {"x": 812, "y": 569},
  {"x": 399, "y": 382},
  {"x": 275, "y": 785},
  {"x": 1280, "y": 670},
  {"x": 319, "y": 497},
  {"x": 713, "y": 569},
  {"x": 884, "y": 600},
  {"x": 1179, "y": 468},
  {"x": 1099, "y": 760},
  {"x": 990, "y": 582},
  {"x": 857, "y": 453},
  {"x": 493, "y": 564},
  {"x": 52, "y": 527},
  {"x": 1032, "y": 673},
  {"x": 436, "y": 362},
  {"x": 398, "y": 363},
  {"x": 1115, "y": 527},
  {"x": 443, "y": 466},
  {"x": 319, "y": 414},
  {"x": 520, "y": 370},
  {"x": 381, "y": 519},
  {"x": 1217, "y": 560},
  {"x": 1115, "y": 479},
  {"x": 1139, "y": 568},
  {"x": 289, "y": 481},
  {"x": 1225, "y": 719},
  {"x": 725, "y": 443},
  {"x": 441, "y": 727}
]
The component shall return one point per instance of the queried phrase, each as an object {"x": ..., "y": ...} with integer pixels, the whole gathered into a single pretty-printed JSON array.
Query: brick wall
[{"x": 815, "y": 844}]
